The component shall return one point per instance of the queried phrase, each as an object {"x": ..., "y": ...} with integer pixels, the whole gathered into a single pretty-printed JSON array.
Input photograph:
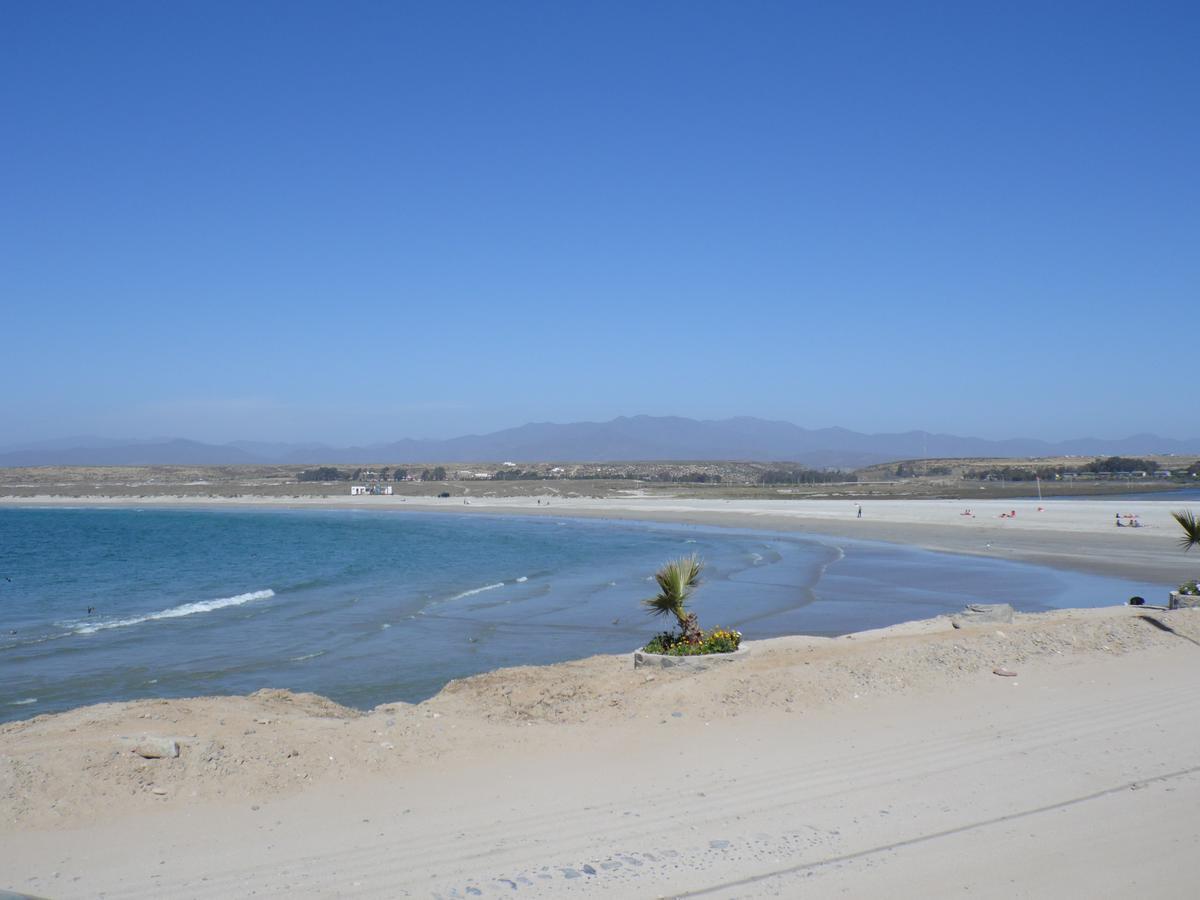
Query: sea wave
[
  {"x": 175, "y": 612},
  {"x": 474, "y": 591},
  {"x": 25, "y": 702},
  {"x": 838, "y": 555}
]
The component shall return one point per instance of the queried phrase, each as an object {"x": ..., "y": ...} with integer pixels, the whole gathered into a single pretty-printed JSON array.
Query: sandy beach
[{"x": 824, "y": 766}]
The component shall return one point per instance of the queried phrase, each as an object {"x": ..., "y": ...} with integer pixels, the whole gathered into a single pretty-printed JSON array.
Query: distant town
[
  {"x": 979, "y": 478},
  {"x": 1113, "y": 468}
]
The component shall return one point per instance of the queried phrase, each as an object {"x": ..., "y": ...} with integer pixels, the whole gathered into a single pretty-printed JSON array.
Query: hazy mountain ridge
[{"x": 625, "y": 438}]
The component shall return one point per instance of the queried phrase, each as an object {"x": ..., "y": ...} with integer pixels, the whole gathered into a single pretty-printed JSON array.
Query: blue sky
[{"x": 366, "y": 221}]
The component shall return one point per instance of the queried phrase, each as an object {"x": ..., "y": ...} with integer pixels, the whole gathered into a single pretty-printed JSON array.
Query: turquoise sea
[{"x": 368, "y": 607}]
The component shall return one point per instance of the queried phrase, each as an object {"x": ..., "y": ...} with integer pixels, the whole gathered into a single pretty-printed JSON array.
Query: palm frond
[
  {"x": 662, "y": 605},
  {"x": 1191, "y": 528},
  {"x": 676, "y": 582}
]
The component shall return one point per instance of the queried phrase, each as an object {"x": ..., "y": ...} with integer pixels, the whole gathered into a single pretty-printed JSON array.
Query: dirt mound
[{"x": 60, "y": 770}]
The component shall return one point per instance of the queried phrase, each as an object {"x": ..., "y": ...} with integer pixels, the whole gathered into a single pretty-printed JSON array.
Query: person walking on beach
[{"x": 859, "y": 505}]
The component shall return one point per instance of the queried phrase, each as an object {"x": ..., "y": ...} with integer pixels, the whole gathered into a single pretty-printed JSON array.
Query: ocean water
[{"x": 369, "y": 607}]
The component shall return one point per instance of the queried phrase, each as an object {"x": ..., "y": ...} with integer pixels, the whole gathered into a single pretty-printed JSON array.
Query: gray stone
[
  {"x": 1184, "y": 601},
  {"x": 643, "y": 659},
  {"x": 983, "y": 614},
  {"x": 157, "y": 748}
]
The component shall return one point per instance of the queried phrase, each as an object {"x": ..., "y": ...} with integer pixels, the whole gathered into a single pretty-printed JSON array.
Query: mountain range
[{"x": 640, "y": 438}]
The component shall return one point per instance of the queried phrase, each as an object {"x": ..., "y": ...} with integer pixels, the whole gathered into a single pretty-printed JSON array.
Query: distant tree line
[
  {"x": 511, "y": 474},
  {"x": 602, "y": 476},
  {"x": 1111, "y": 465},
  {"x": 1015, "y": 473},
  {"x": 912, "y": 470},
  {"x": 686, "y": 477},
  {"x": 804, "y": 476},
  {"x": 1120, "y": 464},
  {"x": 325, "y": 473},
  {"x": 330, "y": 473}
]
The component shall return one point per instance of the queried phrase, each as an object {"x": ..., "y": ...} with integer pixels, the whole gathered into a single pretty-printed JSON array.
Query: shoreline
[
  {"x": 1075, "y": 535},
  {"x": 836, "y": 607}
]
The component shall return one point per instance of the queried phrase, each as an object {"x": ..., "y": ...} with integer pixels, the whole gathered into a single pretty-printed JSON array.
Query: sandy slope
[{"x": 868, "y": 765}]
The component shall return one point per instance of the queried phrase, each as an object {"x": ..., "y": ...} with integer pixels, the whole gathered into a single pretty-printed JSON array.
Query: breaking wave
[
  {"x": 306, "y": 656},
  {"x": 175, "y": 612},
  {"x": 478, "y": 590}
]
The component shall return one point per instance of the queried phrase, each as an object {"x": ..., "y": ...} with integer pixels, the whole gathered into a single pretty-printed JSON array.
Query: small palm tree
[
  {"x": 1191, "y": 529},
  {"x": 676, "y": 582}
]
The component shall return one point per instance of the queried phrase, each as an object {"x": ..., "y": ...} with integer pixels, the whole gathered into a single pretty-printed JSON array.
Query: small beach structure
[{"x": 358, "y": 490}]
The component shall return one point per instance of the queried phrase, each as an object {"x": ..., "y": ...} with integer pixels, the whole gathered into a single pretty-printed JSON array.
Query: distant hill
[
  {"x": 624, "y": 438},
  {"x": 174, "y": 452}
]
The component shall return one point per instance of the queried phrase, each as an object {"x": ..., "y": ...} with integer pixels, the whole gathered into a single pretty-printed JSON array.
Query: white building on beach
[{"x": 358, "y": 490}]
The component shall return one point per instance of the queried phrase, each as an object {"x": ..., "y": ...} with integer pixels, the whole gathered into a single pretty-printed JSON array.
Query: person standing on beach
[{"x": 859, "y": 505}]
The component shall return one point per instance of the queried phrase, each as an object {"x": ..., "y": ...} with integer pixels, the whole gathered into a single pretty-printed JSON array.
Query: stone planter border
[
  {"x": 642, "y": 659},
  {"x": 1183, "y": 601}
]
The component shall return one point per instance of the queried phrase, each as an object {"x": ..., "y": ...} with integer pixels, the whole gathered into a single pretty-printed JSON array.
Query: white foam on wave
[
  {"x": 522, "y": 579},
  {"x": 175, "y": 612},
  {"x": 24, "y": 702},
  {"x": 823, "y": 567},
  {"x": 479, "y": 590},
  {"x": 307, "y": 656}
]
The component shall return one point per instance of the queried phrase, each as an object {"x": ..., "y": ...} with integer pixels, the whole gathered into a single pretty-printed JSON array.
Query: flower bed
[
  {"x": 718, "y": 640},
  {"x": 689, "y": 646}
]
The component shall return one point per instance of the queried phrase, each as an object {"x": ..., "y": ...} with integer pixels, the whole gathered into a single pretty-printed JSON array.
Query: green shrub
[{"x": 670, "y": 643}]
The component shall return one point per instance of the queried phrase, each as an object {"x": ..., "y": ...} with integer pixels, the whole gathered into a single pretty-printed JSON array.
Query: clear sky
[{"x": 354, "y": 222}]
